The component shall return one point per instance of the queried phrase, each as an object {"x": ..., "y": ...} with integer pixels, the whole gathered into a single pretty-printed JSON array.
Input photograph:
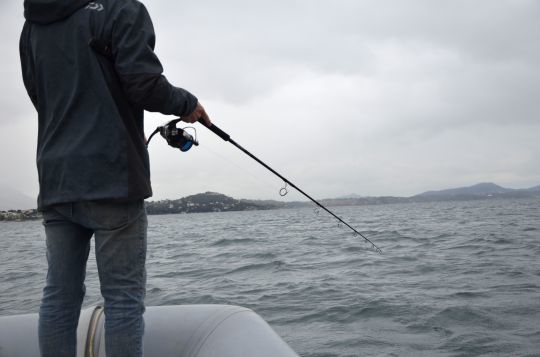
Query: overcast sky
[{"x": 341, "y": 97}]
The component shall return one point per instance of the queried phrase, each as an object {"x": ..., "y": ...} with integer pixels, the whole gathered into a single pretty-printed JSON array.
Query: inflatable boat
[{"x": 170, "y": 331}]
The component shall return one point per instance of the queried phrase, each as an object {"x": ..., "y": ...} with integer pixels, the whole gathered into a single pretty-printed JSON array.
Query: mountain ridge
[
  {"x": 483, "y": 188},
  {"x": 218, "y": 202}
]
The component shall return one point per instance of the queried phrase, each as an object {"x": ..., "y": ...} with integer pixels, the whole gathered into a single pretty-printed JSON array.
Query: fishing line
[
  {"x": 231, "y": 162},
  {"x": 181, "y": 139},
  {"x": 226, "y": 137}
]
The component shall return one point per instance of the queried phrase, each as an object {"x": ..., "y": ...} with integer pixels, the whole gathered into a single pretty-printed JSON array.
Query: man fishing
[{"x": 90, "y": 71}]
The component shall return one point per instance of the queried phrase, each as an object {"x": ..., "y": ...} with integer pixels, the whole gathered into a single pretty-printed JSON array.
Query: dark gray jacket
[{"x": 90, "y": 100}]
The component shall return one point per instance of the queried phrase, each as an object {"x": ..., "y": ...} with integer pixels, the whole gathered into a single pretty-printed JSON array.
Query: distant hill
[
  {"x": 202, "y": 202},
  {"x": 351, "y": 195},
  {"x": 485, "y": 188},
  {"x": 478, "y": 191},
  {"x": 217, "y": 202}
]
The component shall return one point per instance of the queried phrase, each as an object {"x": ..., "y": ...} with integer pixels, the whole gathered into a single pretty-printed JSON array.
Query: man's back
[{"x": 90, "y": 103}]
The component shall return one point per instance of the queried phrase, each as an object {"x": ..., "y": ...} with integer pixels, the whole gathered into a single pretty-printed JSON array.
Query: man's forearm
[{"x": 154, "y": 93}]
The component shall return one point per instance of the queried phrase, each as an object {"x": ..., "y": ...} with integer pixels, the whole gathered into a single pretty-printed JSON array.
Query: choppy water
[{"x": 454, "y": 279}]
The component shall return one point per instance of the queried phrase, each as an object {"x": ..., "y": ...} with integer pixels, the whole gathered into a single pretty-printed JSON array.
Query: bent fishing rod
[{"x": 181, "y": 139}]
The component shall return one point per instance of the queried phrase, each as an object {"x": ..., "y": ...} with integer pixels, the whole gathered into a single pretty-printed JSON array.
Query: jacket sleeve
[
  {"x": 138, "y": 67},
  {"x": 27, "y": 64}
]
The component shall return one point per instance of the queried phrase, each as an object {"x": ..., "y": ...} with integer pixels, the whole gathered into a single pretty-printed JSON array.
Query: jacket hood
[{"x": 49, "y": 11}]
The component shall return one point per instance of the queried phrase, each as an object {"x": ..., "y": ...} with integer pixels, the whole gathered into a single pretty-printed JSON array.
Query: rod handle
[{"x": 216, "y": 130}]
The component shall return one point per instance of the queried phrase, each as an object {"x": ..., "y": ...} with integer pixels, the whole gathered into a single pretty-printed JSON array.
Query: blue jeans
[{"x": 120, "y": 247}]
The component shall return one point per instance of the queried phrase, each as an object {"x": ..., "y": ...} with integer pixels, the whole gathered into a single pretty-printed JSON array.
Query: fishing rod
[{"x": 181, "y": 139}]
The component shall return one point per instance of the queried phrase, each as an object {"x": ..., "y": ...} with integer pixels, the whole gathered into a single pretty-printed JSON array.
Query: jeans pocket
[
  {"x": 51, "y": 215},
  {"x": 112, "y": 215},
  {"x": 108, "y": 215}
]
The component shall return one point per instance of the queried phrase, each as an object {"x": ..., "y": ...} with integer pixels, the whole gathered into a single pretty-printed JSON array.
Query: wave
[
  {"x": 470, "y": 294},
  {"x": 273, "y": 266},
  {"x": 231, "y": 241},
  {"x": 466, "y": 316},
  {"x": 261, "y": 255},
  {"x": 345, "y": 314}
]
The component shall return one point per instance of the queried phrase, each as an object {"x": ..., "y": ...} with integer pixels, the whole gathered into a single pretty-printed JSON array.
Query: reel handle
[{"x": 216, "y": 130}]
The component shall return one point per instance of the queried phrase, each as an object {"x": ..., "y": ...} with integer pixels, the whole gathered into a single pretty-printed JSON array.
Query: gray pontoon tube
[{"x": 171, "y": 331}]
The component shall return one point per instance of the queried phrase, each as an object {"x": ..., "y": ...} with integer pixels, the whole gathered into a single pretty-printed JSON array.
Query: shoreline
[{"x": 210, "y": 202}]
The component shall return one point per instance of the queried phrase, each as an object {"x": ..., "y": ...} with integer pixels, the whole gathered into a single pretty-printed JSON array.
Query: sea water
[{"x": 454, "y": 278}]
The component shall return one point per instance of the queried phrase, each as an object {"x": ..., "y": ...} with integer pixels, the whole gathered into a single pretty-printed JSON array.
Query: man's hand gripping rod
[{"x": 228, "y": 138}]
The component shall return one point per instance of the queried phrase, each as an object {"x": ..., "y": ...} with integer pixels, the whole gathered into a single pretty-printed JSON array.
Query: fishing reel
[{"x": 176, "y": 137}]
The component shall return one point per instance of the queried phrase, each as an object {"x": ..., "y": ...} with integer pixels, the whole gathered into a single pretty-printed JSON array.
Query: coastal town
[
  {"x": 20, "y": 215},
  {"x": 199, "y": 203}
]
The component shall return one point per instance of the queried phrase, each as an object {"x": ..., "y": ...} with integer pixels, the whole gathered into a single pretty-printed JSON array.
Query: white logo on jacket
[{"x": 94, "y": 6}]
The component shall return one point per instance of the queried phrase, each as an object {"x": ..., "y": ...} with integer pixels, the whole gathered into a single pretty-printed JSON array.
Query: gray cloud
[{"x": 370, "y": 97}]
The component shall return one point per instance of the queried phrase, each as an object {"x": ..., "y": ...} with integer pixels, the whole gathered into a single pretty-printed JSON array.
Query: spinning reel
[{"x": 176, "y": 137}]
